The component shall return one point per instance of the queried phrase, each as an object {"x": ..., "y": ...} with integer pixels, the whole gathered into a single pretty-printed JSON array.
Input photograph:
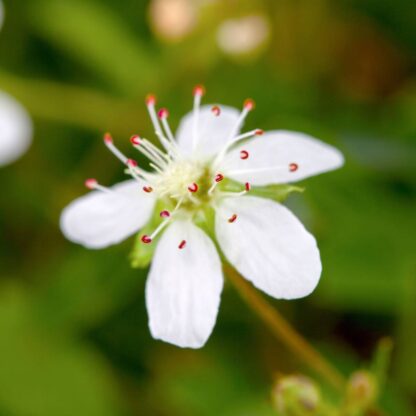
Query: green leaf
[
  {"x": 46, "y": 374},
  {"x": 99, "y": 39}
]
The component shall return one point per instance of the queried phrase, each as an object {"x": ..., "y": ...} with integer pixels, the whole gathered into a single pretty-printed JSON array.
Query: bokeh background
[{"x": 73, "y": 326}]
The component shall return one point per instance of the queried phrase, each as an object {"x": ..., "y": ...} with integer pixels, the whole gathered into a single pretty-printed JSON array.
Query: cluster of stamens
[{"x": 176, "y": 178}]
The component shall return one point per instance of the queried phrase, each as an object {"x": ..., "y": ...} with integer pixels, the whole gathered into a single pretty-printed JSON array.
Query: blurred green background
[{"x": 73, "y": 326}]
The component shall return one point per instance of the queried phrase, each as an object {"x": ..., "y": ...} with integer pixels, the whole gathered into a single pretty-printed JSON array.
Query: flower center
[{"x": 181, "y": 180}]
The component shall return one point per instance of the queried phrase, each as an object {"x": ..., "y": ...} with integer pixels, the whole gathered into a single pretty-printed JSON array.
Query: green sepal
[
  {"x": 278, "y": 192},
  {"x": 142, "y": 254}
]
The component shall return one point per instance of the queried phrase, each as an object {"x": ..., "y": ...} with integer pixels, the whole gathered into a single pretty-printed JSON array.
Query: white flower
[
  {"x": 173, "y": 19},
  {"x": 15, "y": 129},
  {"x": 15, "y": 124},
  {"x": 244, "y": 35},
  {"x": 209, "y": 167}
]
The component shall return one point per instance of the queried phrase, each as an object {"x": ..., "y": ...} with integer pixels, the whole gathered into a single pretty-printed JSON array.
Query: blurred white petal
[
  {"x": 15, "y": 129},
  {"x": 184, "y": 287},
  {"x": 278, "y": 150},
  {"x": 172, "y": 20},
  {"x": 242, "y": 36},
  {"x": 213, "y": 131},
  {"x": 100, "y": 219},
  {"x": 269, "y": 246}
]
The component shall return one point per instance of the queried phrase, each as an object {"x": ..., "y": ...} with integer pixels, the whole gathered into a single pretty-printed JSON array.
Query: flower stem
[{"x": 282, "y": 330}]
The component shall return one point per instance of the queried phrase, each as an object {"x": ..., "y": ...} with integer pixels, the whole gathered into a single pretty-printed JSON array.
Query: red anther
[
  {"x": 259, "y": 132},
  {"x": 216, "y": 110},
  {"x": 199, "y": 90},
  {"x": 249, "y": 104},
  {"x": 165, "y": 214},
  {"x": 91, "y": 183},
  {"x": 293, "y": 167},
  {"x": 147, "y": 189},
  {"x": 150, "y": 99},
  {"x": 131, "y": 162},
  {"x": 182, "y": 244},
  {"x": 232, "y": 218},
  {"x": 135, "y": 140},
  {"x": 107, "y": 138},
  {"x": 219, "y": 177},
  {"x": 163, "y": 113},
  {"x": 247, "y": 186},
  {"x": 244, "y": 154},
  {"x": 146, "y": 239},
  {"x": 193, "y": 188}
]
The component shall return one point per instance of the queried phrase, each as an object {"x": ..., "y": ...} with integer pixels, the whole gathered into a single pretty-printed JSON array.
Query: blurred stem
[
  {"x": 74, "y": 105},
  {"x": 282, "y": 330}
]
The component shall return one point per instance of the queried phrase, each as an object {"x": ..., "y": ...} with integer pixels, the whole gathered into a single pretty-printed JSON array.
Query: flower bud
[
  {"x": 361, "y": 390},
  {"x": 296, "y": 395}
]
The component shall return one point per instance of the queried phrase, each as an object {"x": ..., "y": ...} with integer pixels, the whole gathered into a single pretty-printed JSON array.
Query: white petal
[
  {"x": 15, "y": 129},
  {"x": 184, "y": 287},
  {"x": 100, "y": 219},
  {"x": 278, "y": 149},
  {"x": 269, "y": 246},
  {"x": 213, "y": 131}
]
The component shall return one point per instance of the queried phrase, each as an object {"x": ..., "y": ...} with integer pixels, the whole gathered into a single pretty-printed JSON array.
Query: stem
[{"x": 282, "y": 330}]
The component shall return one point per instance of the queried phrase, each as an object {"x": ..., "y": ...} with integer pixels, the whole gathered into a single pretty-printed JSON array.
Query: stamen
[
  {"x": 219, "y": 177},
  {"x": 93, "y": 184},
  {"x": 193, "y": 188},
  {"x": 293, "y": 167},
  {"x": 147, "y": 189},
  {"x": 232, "y": 218},
  {"x": 182, "y": 244},
  {"x": 244, "y": 154},
  {"x": 249, "y": 104},
  {"x": 131, "y": 163},
  {"x": 216, "y": 110},
  {"x": 256, "y": 170},
  {"x": 231, "y": 141},
  {"x": 108, "y": 141},
  {"x": 135, "y": 140},
  {"x": 150, "y": 103},
  {"x": 149, "y": 238},
  {"x": 199, "y": 91},
  {"x": 165, "y": 214},
  {"x": 146, "y": 239},
  {"x": 163, "y": 114},
  {"x": 150, "y": 151}
]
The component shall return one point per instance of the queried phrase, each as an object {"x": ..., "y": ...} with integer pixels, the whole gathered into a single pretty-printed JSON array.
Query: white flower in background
[
  {"x": 15, "y": 124},
  {"x": 1, "y": 14},
  {"x": 15, "y": 129},
  {"x": 208, "y": 167},
  {"x": 172, "y": 20},
  {"x": 242, "y": 36}
]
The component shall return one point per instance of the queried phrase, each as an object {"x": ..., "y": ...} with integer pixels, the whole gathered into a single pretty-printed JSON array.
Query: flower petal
[
  {"x": 15, "y": 129},
  {"x": 184, "y": 287},
  {"x": 101, "y": 219},
  {"x": 278, "y": 150},
  {"x": 269, "y": 246},
  {"x": 213, "y": 131}
]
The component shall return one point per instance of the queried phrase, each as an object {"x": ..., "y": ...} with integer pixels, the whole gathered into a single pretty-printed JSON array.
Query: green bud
[
  {"x": 296, "y": 395},
  {"x": 362, "y": 391}
]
